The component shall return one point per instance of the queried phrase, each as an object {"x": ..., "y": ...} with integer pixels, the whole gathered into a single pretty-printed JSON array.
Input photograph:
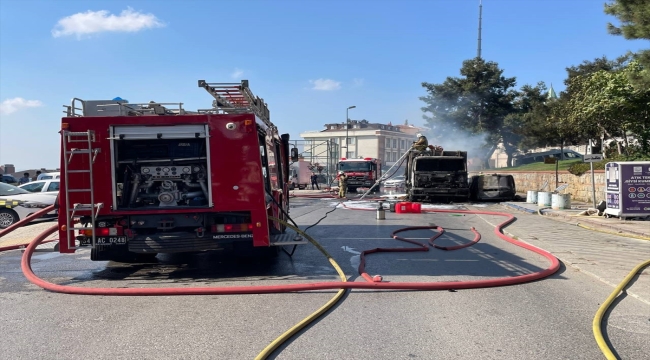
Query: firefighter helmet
[
  {"x": 341, "y": 172},
  {"x": 418, "y": 135}
]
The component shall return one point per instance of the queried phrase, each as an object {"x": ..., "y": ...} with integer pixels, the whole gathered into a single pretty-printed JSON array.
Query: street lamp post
[{"x": 347, "y": 127}]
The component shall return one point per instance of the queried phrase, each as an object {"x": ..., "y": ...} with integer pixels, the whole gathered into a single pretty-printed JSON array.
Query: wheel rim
[{"x": 6, "y": 219}]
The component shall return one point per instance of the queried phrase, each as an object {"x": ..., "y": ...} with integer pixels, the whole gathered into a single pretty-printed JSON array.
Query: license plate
[{"x": 110, "y": 240}]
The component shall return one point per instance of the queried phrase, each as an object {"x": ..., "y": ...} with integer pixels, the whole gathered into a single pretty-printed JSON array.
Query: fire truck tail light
[
  {"x": 102, "y": 231},
  {"x": 367, "y": 158},
  {"x": 65, "y": 126},
  {"x": 343, "y": 159},
  {"x": 248, "y": 122}
]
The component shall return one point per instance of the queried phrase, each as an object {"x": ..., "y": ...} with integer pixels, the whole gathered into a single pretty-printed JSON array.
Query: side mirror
[{"x": 294, "y": 154}]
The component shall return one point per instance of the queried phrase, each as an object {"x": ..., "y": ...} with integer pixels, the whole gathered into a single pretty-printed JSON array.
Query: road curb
[
  {"x": 584, "y": 220},
  {"x": 520, "y": 208},
  {"x": 595, "y": 224}
]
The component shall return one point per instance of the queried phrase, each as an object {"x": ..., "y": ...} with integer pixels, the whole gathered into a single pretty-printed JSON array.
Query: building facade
[{"x": 385, "y": 142}]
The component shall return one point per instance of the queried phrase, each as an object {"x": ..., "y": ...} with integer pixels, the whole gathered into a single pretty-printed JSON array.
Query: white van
[{"x": 46, "y": 176}]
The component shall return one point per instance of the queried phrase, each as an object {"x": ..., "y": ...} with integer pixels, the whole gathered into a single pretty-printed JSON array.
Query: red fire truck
[
  {"x": 143, "y": 179},
  {"x": 362, "y": 172}
]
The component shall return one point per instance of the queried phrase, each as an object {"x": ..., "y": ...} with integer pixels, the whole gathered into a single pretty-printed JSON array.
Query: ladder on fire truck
[
  {"x": 234, "y": 98},
  {"x": 85, "y": 142}
]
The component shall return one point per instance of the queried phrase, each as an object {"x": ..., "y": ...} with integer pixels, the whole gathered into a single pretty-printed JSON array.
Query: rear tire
[{"x": 99, "y": 253}]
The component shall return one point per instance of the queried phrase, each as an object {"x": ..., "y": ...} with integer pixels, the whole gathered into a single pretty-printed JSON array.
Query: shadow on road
[{"x": 481, "y": 260}]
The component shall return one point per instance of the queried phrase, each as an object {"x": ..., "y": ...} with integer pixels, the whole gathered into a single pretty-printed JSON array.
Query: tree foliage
[
  {"x": 634, "y": 16},
  {"x": 606, "y": 103},
  {"x": 475, "y": 103}
]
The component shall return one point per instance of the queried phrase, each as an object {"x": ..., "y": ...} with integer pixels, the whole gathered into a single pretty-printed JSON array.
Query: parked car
[
  {"x": 9, "y": 179},
  {"x": 395, "y": 182},
  {"x": 42, "y": 186},
  {"x": 46, "y": 176},
  {"x": 492, "y": 187},
  {"x": 16, "y": 204}
]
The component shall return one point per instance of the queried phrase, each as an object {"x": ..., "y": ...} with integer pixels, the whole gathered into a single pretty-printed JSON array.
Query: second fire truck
[{"x": 361, "y": 173}]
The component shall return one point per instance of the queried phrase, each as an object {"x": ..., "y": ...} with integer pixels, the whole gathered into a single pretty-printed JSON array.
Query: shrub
[{"x": 579, "y": 168}]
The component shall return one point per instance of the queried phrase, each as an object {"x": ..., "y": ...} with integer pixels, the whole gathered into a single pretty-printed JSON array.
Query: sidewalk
[
  {"x": 636, "y": 228},
  {"x": 608, "y": 258},
  {"x": 27, "y": 233}
]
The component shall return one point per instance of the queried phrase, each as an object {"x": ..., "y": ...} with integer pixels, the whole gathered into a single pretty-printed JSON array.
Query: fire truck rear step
[{"x": 288, "y": 238}]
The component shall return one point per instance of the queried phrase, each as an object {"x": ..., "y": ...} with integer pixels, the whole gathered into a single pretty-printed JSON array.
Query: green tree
[
  {"x": 634, "y": 16},
  {"x": 588, "y": 128},
  {"x": 542, "y": 120},
  {"x": 521, "y": 128},
  {"x": 606, "y": 104},
  {"x": 589, "y": 67},
  {"x": 475, "y": 103}
]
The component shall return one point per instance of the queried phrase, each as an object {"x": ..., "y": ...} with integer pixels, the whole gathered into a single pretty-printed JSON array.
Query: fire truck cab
[
  {"x": 143, "y": 179},
  {"x": 363, "y": 172}
]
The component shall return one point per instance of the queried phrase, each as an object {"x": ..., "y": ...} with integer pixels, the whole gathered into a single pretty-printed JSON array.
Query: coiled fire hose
[{"x": 370, "y": 283}]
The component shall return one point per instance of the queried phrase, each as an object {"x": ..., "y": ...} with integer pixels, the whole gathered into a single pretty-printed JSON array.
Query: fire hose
[
  {"x": 269, "y": 289},
  {"x": 371, "y": 280},
  {"x": 370, "y": 283},
  {"x": 598, "y": 319}
]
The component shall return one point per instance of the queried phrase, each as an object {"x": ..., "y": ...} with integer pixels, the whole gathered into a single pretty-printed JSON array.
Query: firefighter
[
  {"x": 421, "y": 144},
  {"x": 314, "y": 181},
  {"x": 343, "y": 184}
]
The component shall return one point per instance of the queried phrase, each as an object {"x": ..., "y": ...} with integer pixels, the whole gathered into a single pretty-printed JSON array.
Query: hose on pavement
[
  {"x": 598, "y": 319},
  {"x": 370, "y": 283},
  {"x": 268, "y": 289}
]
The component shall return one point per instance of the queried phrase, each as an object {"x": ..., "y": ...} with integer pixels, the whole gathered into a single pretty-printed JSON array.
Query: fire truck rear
[
  {"x": 362, "y": 172},
  {"x": 143, "y": 179}
]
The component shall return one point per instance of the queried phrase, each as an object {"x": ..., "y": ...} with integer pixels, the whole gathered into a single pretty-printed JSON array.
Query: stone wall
[{"x": 579, "y": 186}]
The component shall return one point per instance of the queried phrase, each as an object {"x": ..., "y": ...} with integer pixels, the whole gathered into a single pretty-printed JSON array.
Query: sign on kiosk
[{"x": 627, "y": 188}]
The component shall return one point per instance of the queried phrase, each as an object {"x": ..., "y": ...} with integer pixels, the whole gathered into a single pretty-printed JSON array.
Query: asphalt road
[{"x": 547, "y": 319}]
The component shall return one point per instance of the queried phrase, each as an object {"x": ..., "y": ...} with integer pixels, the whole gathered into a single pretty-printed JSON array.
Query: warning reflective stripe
[{"x": 9, "y": 203}]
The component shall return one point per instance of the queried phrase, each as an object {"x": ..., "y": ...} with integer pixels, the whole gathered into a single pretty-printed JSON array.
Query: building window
[
  {"x": 387, "y": 156},
  {"x": 334, "y": 140},
  {"x": 394, "y": 156},
  {"x": 351, "y": 141},
  {"x": 403, "y": 144},
  {"x": 394, "y": 143},
  {"x": 387, "y": 142},
  {"x": 350, "y": 154}
]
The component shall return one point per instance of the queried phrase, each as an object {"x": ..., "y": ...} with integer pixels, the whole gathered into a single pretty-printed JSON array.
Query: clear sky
[{"x": 309, "y": 59}]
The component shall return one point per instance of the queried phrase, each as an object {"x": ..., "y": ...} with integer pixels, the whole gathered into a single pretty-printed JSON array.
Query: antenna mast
[{"x": 480, "y": 19}]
